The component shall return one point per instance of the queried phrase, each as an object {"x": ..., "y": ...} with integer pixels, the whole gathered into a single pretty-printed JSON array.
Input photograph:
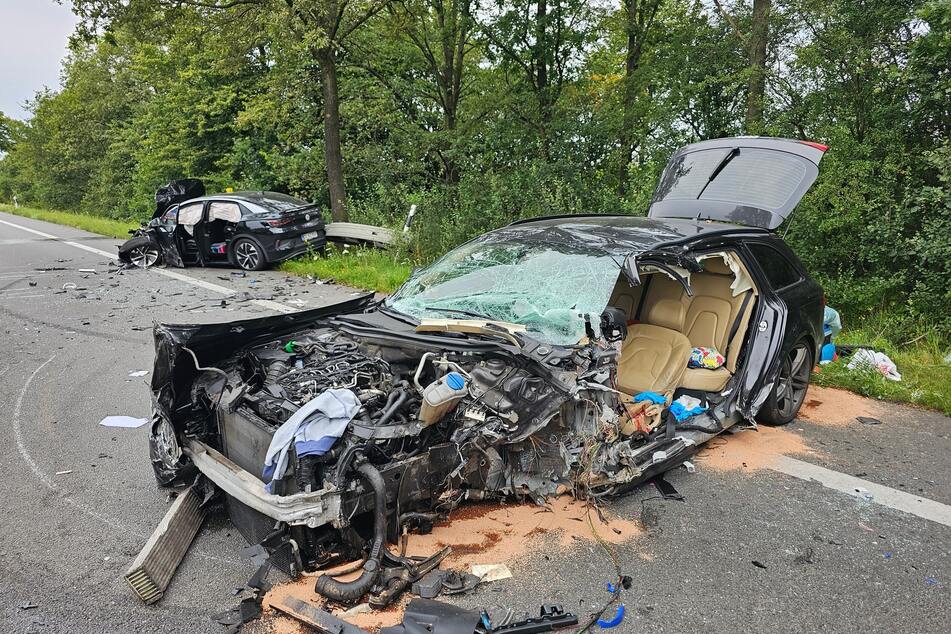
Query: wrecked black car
[
  {"x": 580, "y": 354},
  {"x": 250, "y": 230}
]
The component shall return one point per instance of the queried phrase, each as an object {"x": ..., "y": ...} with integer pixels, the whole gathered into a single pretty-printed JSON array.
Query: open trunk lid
[{"x": 754, "y": 181}]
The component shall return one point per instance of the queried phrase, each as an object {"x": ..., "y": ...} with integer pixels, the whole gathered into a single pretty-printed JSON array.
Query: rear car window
[
  {"x": 778, "y": 269},
  {"x": 765, "y": 179}
]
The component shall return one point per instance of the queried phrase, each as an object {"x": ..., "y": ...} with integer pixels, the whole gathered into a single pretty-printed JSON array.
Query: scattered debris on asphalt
[
  {"x": 138, "y": 373},
  {"x": 123, "y": 421},
  {"x": 67, "y": 472},
  {"x": 867, "y": 420}
]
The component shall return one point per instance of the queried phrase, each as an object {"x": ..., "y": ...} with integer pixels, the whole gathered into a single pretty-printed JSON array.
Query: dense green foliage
[{"x": 484, "y": 111}]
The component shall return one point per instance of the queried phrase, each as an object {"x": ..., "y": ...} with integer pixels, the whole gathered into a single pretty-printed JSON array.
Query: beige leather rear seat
[
  {"x": 654, "y": 355},
  {"x": 707, "y": 319}
]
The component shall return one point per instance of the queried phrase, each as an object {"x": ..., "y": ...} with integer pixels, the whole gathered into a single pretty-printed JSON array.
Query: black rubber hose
[
  {"x": 394, "y": 408},
  {"x": 349, "y": 591}
]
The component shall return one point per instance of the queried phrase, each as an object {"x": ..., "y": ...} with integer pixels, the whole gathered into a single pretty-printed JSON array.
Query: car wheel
[
  {"x": 145, "y": 256},
  {"x": 248, "y": 254},
  {"x": 789, "y": 391}
]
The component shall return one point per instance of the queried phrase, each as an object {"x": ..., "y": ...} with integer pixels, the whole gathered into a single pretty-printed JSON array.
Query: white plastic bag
[{"x": 865, "y": 359}]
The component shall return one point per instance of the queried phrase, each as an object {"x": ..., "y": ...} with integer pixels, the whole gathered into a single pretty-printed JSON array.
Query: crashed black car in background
[
  {"x": 506, "y": 369},
  {"x": 250, "y": 230}
]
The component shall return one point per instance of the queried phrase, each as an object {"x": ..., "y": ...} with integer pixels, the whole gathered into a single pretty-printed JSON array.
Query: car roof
[
  {"x": 258, "y": 197},
  {"x": 615, "y": 233}
]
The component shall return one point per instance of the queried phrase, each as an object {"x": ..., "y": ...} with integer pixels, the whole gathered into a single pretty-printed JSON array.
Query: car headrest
[
  {"x": 716, "y": 265},
  {"x": 666, "y": 313}
]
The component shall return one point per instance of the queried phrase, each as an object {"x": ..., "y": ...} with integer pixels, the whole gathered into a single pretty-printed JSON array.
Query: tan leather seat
[
  {"x": 654, "y": 355},
  {"x": 710, "y": 316}
]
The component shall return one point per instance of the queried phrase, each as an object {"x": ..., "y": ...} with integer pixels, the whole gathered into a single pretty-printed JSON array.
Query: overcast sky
[{"x": 33, "y": 36}]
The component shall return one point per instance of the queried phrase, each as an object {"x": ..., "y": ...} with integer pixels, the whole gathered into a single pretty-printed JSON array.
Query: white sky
[{"x": 33, "y": 35}]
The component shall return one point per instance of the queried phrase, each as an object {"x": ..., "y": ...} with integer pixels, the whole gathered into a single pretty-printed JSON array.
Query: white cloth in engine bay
[{"x": 313, "y": 429}]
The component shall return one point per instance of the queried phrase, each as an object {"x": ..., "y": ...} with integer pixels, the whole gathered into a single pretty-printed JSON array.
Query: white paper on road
[
  {"x": 138, "y": 373},
  {"x": 123, "y": 421}
]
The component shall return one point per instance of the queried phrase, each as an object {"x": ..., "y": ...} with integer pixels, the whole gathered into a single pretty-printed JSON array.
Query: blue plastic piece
[
  {"x": 653, "y": 397},
  {"x": 614, "y": 622},
  {"x": 827, "y": 353},
  {"x": 455, "y": 381},
  {"x": 611, "y": 588}
]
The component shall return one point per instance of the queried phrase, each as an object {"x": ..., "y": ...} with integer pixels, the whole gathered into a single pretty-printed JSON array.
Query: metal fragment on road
[{"x": 153, "y": 568}]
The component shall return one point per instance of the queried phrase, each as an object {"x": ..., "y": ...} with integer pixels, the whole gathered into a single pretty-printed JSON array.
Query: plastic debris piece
[
  {"x": 758, "y": 564},
  {"x": 614, "y": 621},
  {"x": 491, "y": 572},
  {"x": 138, "y": 373},
  {"x": 866, "y": 420},
  {"x": 689, "y": 466},
  {"x": 123, "y": 421},
  {"x": 87, "y": 270},
  {"x": 69, "y": 286},
  {"x": 67, "y": 472},
  {"x": 931, "y": 581}
]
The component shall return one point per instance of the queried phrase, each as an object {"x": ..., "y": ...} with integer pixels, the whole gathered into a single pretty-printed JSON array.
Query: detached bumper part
[
  {"x": 310, "y": 509},
  {"x": 152, "y": 570}
]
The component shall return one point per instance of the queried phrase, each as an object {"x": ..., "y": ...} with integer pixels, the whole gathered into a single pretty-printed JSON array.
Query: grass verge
[
  {"x": 369, "y": 269},
  {"x": 86, "y": 222},
  {"x": 925, "y": 377}
]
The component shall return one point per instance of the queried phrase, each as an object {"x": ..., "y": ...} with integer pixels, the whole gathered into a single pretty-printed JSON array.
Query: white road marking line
[
  {"x": 857, "y": 487},
  {"x": 35, "y": 468},
  {"x": 50, "y": 484},
  {"x": 210, "y": 286}
]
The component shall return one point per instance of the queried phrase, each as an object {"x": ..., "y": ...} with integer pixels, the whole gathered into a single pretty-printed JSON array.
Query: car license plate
[{"x": 313, "y": 235}]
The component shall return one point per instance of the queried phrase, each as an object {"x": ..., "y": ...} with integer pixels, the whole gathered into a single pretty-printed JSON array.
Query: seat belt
[
  {"x": 736, "y": 322},
  {"x": 640, "y": 304}
]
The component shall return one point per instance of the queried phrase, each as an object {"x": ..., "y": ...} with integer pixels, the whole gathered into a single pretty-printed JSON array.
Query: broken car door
[
  {"x": 746, "y": 180},
  {"x": 187, "y": 235}
]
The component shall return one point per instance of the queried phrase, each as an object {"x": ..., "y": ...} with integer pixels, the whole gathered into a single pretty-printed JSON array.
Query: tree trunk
[
  {"x": 756, "y": 88},
  {"x": 332, "y": 153},
  {"x": 638, "y": 19}
]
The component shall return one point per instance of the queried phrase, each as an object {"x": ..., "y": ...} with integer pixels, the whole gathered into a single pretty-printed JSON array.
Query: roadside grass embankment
[
  {"x": 926, "y": 378},
  {"x": 370, "y": 269},
  {"x": 86, "y": 222}
]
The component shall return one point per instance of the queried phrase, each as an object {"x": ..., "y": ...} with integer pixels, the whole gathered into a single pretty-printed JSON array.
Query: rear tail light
[
  {"x": 818, "y": 146},
  {"x": 279, "y": 222}
]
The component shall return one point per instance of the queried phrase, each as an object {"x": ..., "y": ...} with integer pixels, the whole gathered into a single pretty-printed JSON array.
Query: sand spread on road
[{"x": 833, "y": 407}]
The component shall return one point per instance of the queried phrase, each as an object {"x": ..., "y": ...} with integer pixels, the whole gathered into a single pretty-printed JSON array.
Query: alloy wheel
[
  {"x": 793, "y": 381},
  {"x": 247, "y": 255},
  {"x": 144, "y": 257}
]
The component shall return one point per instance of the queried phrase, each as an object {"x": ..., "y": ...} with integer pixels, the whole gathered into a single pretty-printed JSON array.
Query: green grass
[
  {"x": 369, "y": 269},
  {"x": 93, "y": 224},
  {"x": 926, "y": 379}
]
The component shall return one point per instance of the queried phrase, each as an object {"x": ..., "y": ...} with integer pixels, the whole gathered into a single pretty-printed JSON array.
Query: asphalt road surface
[{"x": 79, "y": 499}]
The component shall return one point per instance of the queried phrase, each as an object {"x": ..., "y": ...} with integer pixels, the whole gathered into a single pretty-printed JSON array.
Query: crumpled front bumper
[{"x": 307, "y": 509}]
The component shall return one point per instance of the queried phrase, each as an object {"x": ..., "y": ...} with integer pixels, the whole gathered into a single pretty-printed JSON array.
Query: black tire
[
  {"x": 248, "y": 254},
  {"x": 141, "y": 251},
  {"x": 789, "y": 391}
]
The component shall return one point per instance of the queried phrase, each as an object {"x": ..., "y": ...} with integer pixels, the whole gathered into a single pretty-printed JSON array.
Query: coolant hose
[
  {"x": 349, "y": 591},
  {"x": 394, "y": 407}
]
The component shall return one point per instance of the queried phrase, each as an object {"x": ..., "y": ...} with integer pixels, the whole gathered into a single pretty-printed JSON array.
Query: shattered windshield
[{"x": 548, "y": 288}]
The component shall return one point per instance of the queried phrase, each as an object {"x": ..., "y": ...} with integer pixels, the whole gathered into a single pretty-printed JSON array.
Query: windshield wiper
[
  {"x": 459, "y": 311},
  {"x": 732, "y": 154}
]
